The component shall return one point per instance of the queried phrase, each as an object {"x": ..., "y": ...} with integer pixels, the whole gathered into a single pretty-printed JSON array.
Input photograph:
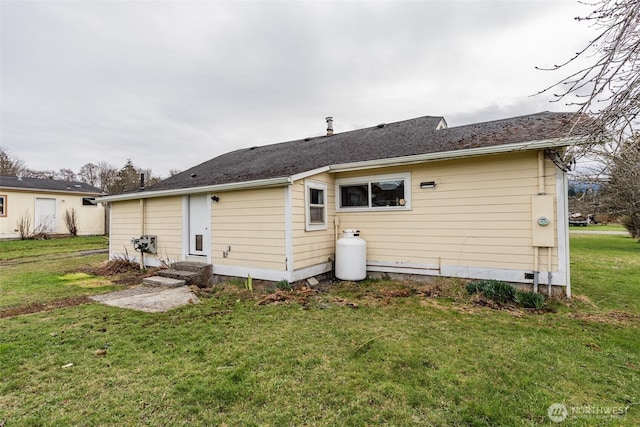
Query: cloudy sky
[{"x": 170, "y": 84}]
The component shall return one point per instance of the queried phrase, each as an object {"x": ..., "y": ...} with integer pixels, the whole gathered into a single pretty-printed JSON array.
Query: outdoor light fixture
[
  {"x": 427, "y": 184},
  {"x": 215, "y": 198}
]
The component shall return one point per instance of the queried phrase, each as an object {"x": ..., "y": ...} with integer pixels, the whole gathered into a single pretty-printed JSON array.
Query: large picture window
[
  {"x": 316, "y": 205},
  {"x": 3, "y": 205},
  {"x": 378, "y": 192}
]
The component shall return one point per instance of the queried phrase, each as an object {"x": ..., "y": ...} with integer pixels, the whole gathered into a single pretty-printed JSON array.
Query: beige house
[
  {"x": 43, "y": 203},
  {"x": 480, "y": 201}
]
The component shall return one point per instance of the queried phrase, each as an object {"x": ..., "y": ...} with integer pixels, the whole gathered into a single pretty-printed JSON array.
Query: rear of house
[
  {"x": 475, "y": 202},
  {"x": 39, "y": 206}
]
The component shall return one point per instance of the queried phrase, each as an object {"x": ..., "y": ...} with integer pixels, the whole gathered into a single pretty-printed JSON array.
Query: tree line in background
[{"x": 102, "y": 175}]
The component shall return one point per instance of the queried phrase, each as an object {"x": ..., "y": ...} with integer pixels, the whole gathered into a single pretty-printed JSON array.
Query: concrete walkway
[
  {"x": 616, "y": 233},
  {"x": 151, "y": 299}
]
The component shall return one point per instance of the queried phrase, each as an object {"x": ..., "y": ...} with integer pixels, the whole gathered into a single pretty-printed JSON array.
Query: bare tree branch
[{"x": 608, "y": 89}]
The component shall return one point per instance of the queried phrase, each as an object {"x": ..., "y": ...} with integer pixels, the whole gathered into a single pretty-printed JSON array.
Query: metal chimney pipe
[
  {"x": 141, "y": 181},
  {"x": 329, "y": 125}
]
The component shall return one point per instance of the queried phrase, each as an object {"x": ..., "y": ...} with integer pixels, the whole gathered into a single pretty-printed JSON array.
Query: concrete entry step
[
  {"x": 190, "y": 266},
  {"x": 203, "y": 272},
  {"x": 189, "y": 277},
  {"x": 166, "y": 282}
]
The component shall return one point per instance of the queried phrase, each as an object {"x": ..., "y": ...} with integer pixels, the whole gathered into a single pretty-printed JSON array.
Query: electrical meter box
[{"x": 542, "y": 221}]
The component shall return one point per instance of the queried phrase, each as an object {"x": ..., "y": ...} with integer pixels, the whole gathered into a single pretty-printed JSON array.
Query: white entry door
[
  {"x": 199, "y": 223},
  {"x": 45, "y": 215}
]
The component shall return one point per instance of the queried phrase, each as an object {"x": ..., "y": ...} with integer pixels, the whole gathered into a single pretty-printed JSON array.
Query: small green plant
[
  {"x": 474, "y": 287},
  {"x": 283, "y": 285},
  {"x": 236, "y": 281},
  {"x": 502, "y": 292},
  {"x": 528, "y": 299},
  {"x": 249, "y": 283}
]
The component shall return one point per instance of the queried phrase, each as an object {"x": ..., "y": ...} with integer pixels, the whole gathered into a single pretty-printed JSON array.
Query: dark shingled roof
[
  {"x": 25, "y": 183},
  {"x": 392, "y": 140}
]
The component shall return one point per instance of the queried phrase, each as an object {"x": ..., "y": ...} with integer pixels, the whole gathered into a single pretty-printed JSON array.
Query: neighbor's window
[
  {"x": 379, "y": 192},
  {"x": 316, "y": 205},
  {"x": 89, "y": 201},
  {"x": 3, "y": 205}
]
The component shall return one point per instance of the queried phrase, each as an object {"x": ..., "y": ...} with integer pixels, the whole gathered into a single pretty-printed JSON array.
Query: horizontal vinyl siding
[
  {"x": 317, "y": 246},
  {"x": 252, "y": 223},
  {"x": 163, "y": 218},
  {"x": 125, "y": 224},
  {"x": 479, "y": 215}
]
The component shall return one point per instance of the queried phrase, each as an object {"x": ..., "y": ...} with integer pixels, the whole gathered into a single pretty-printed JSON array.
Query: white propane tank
[{"x": 351, "y": 256}]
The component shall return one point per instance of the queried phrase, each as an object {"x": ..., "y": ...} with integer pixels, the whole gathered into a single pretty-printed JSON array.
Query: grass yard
[{"x": 407, "y": 355}]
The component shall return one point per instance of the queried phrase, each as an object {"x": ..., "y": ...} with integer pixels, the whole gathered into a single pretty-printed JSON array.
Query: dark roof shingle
[
  {"x": 25, "y": 183},
  {"x": 392, "y": 140}
]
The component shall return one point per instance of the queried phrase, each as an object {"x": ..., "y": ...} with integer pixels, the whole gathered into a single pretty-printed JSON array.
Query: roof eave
[
  {"x": 262, "y": 183},
  {"x": 470, "y": 152},
  {"x": 367, "y": 164},
  {"x": 49, "y": 190}
]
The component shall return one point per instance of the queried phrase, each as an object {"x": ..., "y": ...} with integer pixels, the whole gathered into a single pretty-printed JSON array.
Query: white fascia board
[
  {"x": 262, "y": 183},
  {"x": 307, "y": 174},
  {"x": 446, "y": 155}
]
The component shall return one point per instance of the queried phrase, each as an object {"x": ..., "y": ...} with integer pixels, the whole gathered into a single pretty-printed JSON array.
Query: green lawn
[
  {"x": 29, "y": 278},
  {"x": 429, "y": 358},
  {"x": 604, "y": 227},
  {"x": 24, "y": 249}
]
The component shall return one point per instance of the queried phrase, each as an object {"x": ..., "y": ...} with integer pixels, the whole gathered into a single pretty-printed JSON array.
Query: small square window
[
  {"x": 89, "y": 201},
  {"x": 316, "y": 208},
  {"x": 3, "y": 205}
]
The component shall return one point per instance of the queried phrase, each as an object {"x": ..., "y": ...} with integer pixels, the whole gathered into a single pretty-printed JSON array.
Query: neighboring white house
[
  {"x": 486, "y": 200},
  {"x": 43, "y": 203}
]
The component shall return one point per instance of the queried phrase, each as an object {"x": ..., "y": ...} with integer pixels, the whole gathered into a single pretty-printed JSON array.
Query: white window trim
[
  {"x": 406, "y": 176},
  {"x": 308, "y": 184}
]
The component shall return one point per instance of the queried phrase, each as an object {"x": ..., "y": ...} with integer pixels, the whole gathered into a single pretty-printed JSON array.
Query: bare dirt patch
[
  {"x": 610, "y": 317},
  {"x": 45, "y": 306}
]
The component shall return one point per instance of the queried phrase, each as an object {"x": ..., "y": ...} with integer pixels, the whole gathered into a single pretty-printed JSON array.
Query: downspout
[
  {"x": 549, "y": 272},
  {"x": 142, "y": 206},
  {"x": 536, "y": 249}
]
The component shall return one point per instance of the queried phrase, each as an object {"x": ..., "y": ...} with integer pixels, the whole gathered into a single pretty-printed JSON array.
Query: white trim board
[
  {"x": 463, "y": 272},
  {"x": 272, "y": 275}
]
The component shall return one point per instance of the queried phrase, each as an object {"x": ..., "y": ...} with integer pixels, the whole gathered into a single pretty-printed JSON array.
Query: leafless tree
[
  {"x": 89, "y": 174},
  {"x": 106, "y": 176},
  {"x": 10, "y": 165},
  {"x": 43, "y": 174},
  {"x": 621, "y": 192},
  {"x": 66, "y": 174},
  {"x": 608, "y": 87}
]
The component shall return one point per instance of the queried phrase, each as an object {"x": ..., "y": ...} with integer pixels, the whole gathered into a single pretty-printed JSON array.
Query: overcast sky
[{"x": 170, "y": 84}]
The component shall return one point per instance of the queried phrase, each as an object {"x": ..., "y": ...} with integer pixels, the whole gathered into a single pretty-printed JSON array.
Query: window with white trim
[
  {"x": 375, "y": 192},
  {"x": 3, "y": 205},
  {"x": 316, "y": 205}
]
